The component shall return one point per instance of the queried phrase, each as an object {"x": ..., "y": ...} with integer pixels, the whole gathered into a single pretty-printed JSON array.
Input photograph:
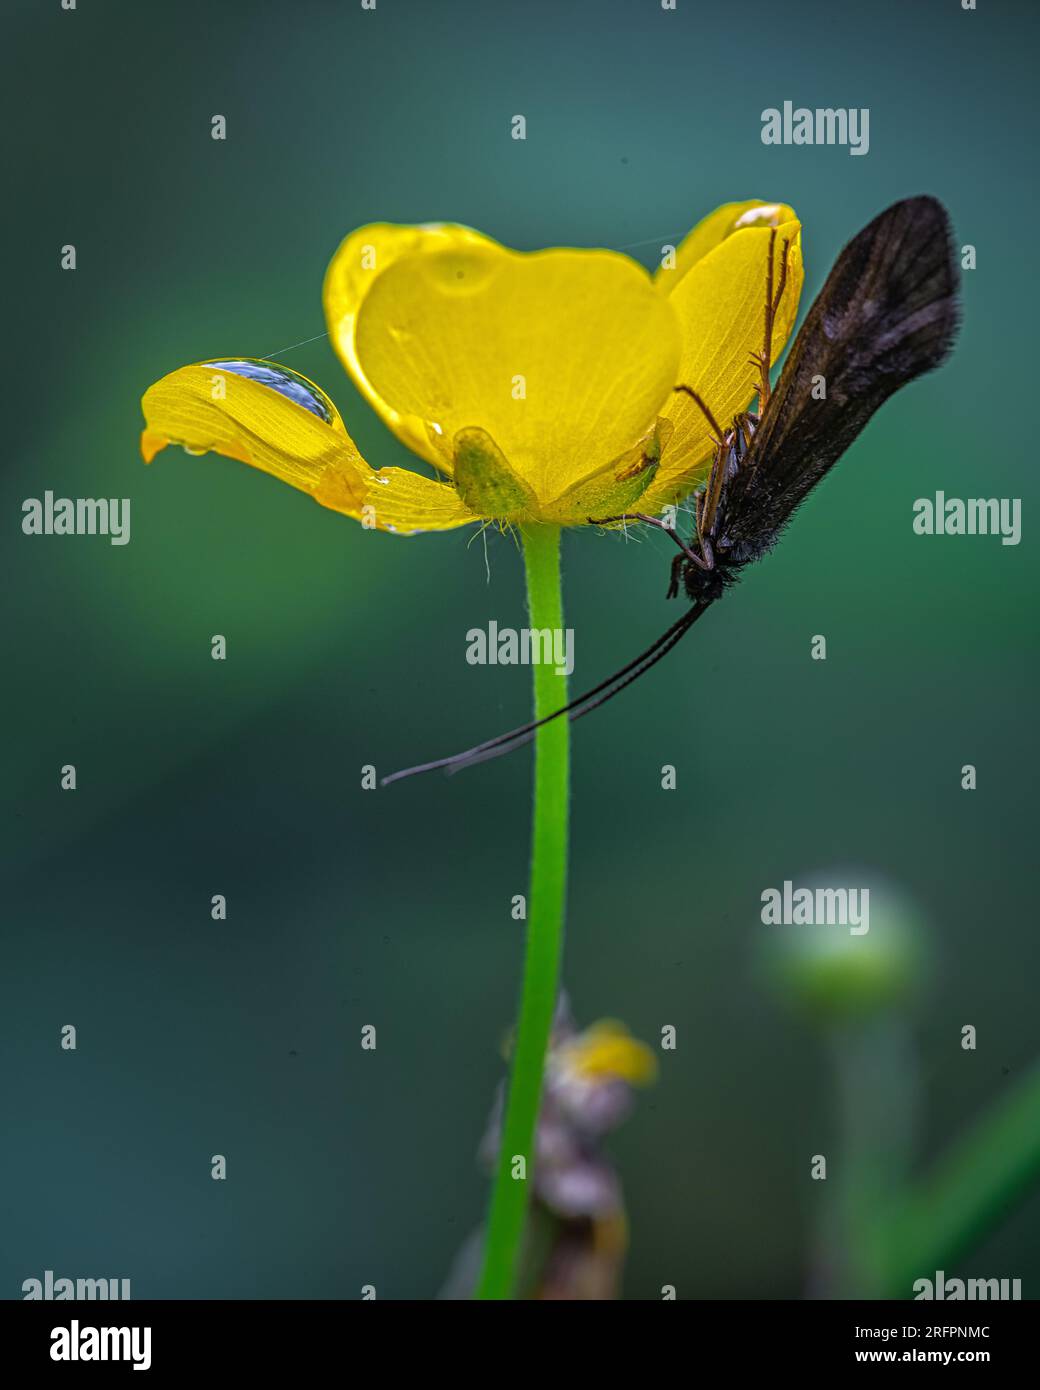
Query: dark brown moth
[{"x": 887, "y": 313}]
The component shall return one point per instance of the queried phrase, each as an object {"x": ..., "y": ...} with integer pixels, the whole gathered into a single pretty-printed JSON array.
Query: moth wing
[{"x": 886, "y": 314}]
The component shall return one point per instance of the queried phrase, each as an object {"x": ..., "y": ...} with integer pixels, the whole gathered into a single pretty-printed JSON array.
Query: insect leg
[
  {"x": 710, "y": 499},
  {"x": 764, "y": 359},
  {"x": 712, "y": 493},
  {"x": 702, "y": 535},
  {"x": 676, "y": 575},
  {"x": 703, "y": 406},
  {"x": 652, "y": 521}
]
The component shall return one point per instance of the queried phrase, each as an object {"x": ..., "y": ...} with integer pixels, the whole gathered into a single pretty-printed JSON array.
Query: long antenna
[
  {"x": 526, "y": 733},
  {"x": 581, "y": 705}
]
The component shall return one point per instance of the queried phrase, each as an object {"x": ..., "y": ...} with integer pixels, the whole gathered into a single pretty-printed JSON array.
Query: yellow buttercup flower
[
  {"x": 540, "y": 385},
  {"x": 605, "y": 1051}
]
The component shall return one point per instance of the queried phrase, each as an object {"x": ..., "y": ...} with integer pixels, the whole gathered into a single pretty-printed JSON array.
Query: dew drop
[{"x": 294, "y": 387}]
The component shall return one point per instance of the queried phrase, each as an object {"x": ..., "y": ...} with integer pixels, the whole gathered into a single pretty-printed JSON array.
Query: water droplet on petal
[
  {"x": 294, "y": 387},
  {"x": 769, "y": 213}
]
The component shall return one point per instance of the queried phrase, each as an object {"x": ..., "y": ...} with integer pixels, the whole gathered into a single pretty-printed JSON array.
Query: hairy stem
[{"x": 545, "y": 910}]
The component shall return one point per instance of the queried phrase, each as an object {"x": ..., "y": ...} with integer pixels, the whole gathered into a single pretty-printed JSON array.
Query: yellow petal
[
  {"x": 615, "y": 489},
  {"x": 278, "y": 421},
  {"x": 353, "y": 270},
  {"x": 606, "y": 1050},
  {"x": 407, "y": 502},
  {"x": 563, "y": 357},
  {"x": 720, "y": 304},
  {"x": 713, "y": 229},
  {"x": 262, "y": 414}
]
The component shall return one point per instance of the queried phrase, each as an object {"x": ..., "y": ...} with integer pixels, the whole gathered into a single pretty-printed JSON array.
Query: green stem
[
  {"x": 545, "y": 906},
  {"x": 875, "y": 1071},
  {"x": 971, "y": 1189}
]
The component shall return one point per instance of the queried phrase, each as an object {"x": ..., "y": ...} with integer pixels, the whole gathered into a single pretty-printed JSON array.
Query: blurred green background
[{"x": 345, "y": 647}]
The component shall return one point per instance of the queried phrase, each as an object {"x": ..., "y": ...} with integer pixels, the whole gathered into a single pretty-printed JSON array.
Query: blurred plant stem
[
  {"x": 880, "y": 1232},
  {"x": 545, "y": 907},
  {"x": 968, "y": 1191},
  {"x": 877, "y": 1099}
]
